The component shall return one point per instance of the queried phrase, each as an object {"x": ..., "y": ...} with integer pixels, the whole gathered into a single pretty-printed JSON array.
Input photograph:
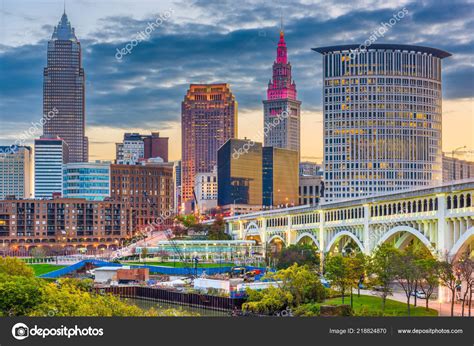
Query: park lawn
[
  {"x": 372, "y": 306},
  {"x": 45, "y": 268},
  {"x": 180, "y": 264}
]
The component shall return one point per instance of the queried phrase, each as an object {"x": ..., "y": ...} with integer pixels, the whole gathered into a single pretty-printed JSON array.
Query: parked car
[
  {"x": 419, "y": 294},
  {"x": 325, "y": 282}
]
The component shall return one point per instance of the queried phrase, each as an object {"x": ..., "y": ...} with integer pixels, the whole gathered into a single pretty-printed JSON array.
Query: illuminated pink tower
[{"x": 282, "y": 129}]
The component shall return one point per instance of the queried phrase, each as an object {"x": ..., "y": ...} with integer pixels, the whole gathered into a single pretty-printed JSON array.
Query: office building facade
[
  {"x": 382, "y": 118},
  {"x": 87, "y": 180},
  {"x": 205, "y": 188},
  {"x": 310, "y": 189},
  {"x": 64, "y": 91},
  {"x": 456, "y": 169},
  {"x": 280, "y": 176},
  {"x": 137, "y": 147},
  {"x": 15, "y": 171},
  {"x": 239, "y": 173},
  {"x": 147, "y": 187},
  {"x": 208, "y": 120},
  {"x": 50, "y": 155}
]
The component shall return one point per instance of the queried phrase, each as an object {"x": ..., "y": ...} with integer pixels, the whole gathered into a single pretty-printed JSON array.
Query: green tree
[
  {"x": 217, "y": 229},
  {"x": 297, "y": 285},
  {"x": 267, "y": 301},
  {"x": 429, "y": 278},
  {"x": 19, "y": 294},
  {"x": 408, "y": 270},
  {"x": 15, "y": 267},
  {"x": 144, "y": 253},
  {"x": 356, "y": 271},
  {"x": 337, "y": 271},
  {"x": 301, "y": 254},
  {"x": 383, "y": 271}
]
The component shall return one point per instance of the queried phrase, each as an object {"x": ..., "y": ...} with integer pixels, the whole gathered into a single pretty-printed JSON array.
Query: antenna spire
[
  {"x": 281, "y": 20},
  {"x": 64, "y": 6}
]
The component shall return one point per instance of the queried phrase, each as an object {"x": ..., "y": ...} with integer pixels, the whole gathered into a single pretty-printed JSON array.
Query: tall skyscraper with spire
[
  {"x": 64, "y": 91},
  {"x": 282, "y": 129}
]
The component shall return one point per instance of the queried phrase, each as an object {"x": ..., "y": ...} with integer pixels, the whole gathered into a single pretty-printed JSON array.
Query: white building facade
[
  {"x": 205, "y": 188},
  {"x": 382, "y": 118},
  {"x": 50, "y": 155}
]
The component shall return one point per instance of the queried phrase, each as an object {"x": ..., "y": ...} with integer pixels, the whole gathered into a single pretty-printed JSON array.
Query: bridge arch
[
  {"x": 276, "y": 243},
  {"x": 462, "y": 241},
  {"x": 309, "y": 235},
  {"x": 340, "y": 235},
  {"x": 412, "y": 231},
  {"x": 253, "y": 232},
  {"x": 274, "y": 237}
]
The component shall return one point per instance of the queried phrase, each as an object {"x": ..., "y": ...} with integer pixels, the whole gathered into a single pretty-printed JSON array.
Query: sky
[{"x": 205, "y": 41}]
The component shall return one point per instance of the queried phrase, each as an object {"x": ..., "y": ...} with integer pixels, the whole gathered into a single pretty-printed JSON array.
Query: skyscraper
[
  {"x": 208, "y": 120},
  {"x": 382, "y": 118},
  {"x": 63, "y": 91},
  {"x": 281, "y": 97},
  {"x": 280, "y": 176},
  {"x": 50, "y": 155},
  {"x": 239, "y": 176}
]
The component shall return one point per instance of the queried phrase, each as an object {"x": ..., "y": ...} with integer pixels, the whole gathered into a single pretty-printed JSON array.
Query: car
[
  {"x": 325, "y": 282},
  {"x": 419, "y": 294}
]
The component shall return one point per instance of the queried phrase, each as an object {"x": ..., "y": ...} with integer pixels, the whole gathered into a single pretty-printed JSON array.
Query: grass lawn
[
  {"x": 181, "y": 264},
  {"x": 370, "y": 306},
  {"x": 44, "y": 268}
]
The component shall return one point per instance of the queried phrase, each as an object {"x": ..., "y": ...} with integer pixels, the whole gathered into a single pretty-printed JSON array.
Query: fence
[{"x": 178, "y": 298}]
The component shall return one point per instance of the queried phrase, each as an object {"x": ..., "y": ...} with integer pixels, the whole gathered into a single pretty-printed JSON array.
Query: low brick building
[{"x": 63, "y": 225}]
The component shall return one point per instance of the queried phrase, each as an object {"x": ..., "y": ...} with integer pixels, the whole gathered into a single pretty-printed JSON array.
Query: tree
[
  {"x": 217, "y": 229},
  {"x": 356, "y": 271},
  {"x": 337, "y": 271},
  {"x": 429, "y": 278},
  {"x": 297, "y": 285},
  {"x": 299, "y": 254},
  {"x": 465, "y": 268},
  {"x": 38, "y": 252},
  {"x": 381, "y": 266},
  {"x": 19, "y": 294},
  {"x": 447, "y": 278},
  {"x": 15, "y": 267},
  {"x": 144, "y": 253},
  {"x": 407, "y": 271}
]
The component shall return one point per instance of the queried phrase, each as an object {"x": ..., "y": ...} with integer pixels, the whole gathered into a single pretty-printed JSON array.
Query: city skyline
[{"x": 154, "y": 105}]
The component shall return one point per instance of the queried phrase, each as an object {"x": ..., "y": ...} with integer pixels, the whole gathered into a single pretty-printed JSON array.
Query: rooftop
[{"x": 384, "y": 46}]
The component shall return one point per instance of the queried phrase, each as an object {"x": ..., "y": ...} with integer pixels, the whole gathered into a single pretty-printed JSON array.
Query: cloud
[{"x": 232, "y": 42}]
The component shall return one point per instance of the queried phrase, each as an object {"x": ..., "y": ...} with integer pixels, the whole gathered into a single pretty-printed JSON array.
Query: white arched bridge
[{"x": 441, "y": 217}]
